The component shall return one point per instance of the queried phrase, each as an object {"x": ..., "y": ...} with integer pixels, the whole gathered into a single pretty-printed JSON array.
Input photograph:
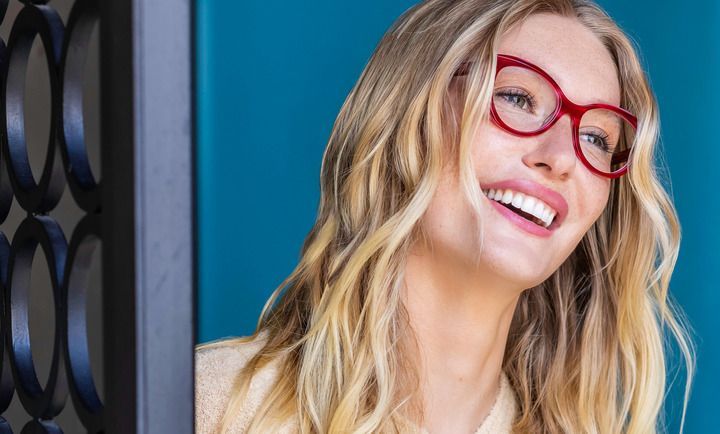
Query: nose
[{"x": 553, "y": 152}]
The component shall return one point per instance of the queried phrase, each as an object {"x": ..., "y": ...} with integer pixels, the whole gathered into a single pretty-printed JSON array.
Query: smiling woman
[{"x": 492, "y": 251}]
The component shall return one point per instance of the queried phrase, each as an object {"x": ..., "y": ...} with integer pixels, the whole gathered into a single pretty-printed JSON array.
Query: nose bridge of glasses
[
  {"x": 571, "y": 111},
  {"x": 567, "y": 106}
]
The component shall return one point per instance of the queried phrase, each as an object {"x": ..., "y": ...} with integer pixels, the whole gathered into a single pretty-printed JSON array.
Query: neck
[{"x": 460, "y": 320}]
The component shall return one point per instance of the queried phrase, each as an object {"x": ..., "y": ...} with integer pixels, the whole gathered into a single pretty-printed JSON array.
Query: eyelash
[
  {"x": 517, "y": 92},
  {"x": 604, "y": 137}
]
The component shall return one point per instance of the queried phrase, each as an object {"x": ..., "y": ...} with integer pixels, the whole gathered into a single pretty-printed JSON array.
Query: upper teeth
[{"x": 529, "y": 204}]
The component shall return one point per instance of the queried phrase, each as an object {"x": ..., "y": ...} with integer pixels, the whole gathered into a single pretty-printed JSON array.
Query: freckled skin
[
  {"x": 461, "y": 312},
  {"x": 585, "y": 71}
]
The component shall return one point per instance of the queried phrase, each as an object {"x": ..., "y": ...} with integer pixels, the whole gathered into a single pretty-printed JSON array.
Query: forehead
[{"x": 567, "y": 50}]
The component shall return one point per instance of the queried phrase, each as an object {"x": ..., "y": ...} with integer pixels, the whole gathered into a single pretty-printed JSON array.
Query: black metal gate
[{"x": 135, "y": 222}]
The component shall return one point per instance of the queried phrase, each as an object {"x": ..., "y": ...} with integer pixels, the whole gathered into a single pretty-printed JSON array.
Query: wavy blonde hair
[{"x": 585, "y": 351}]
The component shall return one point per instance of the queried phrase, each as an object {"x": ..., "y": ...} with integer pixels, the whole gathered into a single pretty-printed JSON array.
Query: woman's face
[{"x": 544, "y": 166}]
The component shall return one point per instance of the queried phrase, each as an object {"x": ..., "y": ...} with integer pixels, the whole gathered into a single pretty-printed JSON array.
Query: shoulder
[{"x": 216, "y": 368}]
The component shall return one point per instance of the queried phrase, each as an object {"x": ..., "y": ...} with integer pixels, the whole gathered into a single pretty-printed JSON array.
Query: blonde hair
[{"x": 585, "y": 350}]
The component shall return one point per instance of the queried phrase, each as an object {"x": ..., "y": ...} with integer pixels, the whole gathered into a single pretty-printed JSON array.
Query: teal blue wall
[{"x": 271, "y": 77}]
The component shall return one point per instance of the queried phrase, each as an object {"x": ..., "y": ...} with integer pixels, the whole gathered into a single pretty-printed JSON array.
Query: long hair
[{"x": 585, "y": 351}]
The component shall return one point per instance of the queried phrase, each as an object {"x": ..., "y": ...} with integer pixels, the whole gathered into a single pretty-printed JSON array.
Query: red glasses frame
[{"x": 575, "y": 111}]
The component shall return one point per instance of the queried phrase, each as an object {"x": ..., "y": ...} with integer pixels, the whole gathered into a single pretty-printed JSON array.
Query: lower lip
[{"x": 521, "y": 222}]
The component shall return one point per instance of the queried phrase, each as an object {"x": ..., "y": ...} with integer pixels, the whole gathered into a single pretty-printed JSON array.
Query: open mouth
[
  {"x": 524, "y": 215},
  {"x": 528, "y": 207}
]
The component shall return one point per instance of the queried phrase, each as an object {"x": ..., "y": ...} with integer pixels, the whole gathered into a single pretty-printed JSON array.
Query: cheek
[
  {"x": 448, "y": 221},
  {"x": 492, "y": 148},
  {"x": 593, "y": 199}
]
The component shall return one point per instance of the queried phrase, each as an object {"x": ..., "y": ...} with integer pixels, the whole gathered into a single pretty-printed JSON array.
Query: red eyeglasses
[{"x": 527, "y": 101}]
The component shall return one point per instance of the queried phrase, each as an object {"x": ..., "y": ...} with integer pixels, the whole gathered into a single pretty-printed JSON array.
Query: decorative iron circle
[
  {"x": 45, "y": 22},
  {"x": 7, "y": 387},
  {"x": 5, "y": 426},
  {"x": 41, "y": 427},
  {"x": 6, "y": 191},
  {"x": 45, "y": 231},
  {"x": 83, "y": 243},
  {"x": 85, "y": 190}
]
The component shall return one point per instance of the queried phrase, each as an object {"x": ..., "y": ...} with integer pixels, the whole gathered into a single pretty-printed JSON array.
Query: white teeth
[
  {"x": 539, "y": 208},
  {"x": 528, "y": 204},
  {"x": 517, "y": 201}
]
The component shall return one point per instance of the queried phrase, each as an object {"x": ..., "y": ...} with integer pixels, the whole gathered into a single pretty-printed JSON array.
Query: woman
[{"x": 493, "y": 248}]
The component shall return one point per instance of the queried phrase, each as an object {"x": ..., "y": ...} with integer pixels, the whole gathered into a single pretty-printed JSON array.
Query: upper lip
[{"x": 532, "y": 188}]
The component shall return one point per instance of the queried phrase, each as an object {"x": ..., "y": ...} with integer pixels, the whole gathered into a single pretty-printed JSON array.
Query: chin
[{"x": 520, "y": 269}]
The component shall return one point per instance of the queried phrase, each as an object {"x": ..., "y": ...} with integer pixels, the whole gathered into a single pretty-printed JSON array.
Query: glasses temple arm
[{"x": 620, "y": 157}]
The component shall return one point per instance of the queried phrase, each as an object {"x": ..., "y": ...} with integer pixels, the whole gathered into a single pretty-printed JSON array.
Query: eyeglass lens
[{"x": 525, "y": 101}]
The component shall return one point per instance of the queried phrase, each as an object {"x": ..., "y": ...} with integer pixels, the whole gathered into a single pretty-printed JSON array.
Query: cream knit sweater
[{"x": 216, "y": 368}]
